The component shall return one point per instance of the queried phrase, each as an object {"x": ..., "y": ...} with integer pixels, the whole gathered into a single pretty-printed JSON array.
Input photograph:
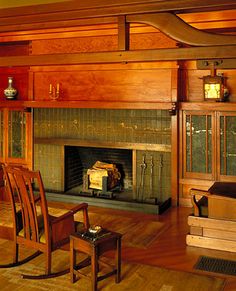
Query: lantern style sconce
[{"x": 214, "y": 88}]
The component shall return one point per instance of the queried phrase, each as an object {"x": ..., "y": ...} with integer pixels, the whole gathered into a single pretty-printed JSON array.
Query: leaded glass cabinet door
[
  {"x": 16, "y": 134},
  {"x": 198, "y": 150},
  {"x": 227, "y": 146}
]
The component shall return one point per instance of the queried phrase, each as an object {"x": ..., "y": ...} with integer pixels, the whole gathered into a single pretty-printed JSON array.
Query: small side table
[{"x": 107, "y": 241}]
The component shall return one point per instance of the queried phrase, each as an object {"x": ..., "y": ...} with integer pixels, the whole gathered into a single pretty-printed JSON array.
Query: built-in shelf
[
  {"x": 208, "y": 105},
  {"x": 97, "y": 104},
  {"x": 117, "y": 145},
  {"x": 218, "y": 106},
  {"x": 11, "y": 104},
  {"x": 85, "y": 104}
]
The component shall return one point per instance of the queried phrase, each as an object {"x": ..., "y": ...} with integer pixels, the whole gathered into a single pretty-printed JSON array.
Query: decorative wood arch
[{"x": 174, "y": 27}]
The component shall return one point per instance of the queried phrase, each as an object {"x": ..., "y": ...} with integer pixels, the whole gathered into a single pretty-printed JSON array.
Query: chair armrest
[
  {"x": 194, "y": 193},
  {"x": 58, "y": 219},
  {"x": 72, "y": 211},
  {"x": 79, "y": 207}
]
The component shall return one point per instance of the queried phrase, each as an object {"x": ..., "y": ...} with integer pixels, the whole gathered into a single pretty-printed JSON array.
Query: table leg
[
  {"x": 118, "y": 259},
  {"x": 72, "y": 261},
  {"x": 94, "y": 266}
]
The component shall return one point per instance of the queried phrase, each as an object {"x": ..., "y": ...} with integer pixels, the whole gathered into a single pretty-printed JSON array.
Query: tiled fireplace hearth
[{"x": 69, "y": 141}]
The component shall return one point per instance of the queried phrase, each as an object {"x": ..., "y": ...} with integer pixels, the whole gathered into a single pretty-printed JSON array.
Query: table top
[
  {"x": 226, "y": 189},
  {"x": 102, "y": 236}
]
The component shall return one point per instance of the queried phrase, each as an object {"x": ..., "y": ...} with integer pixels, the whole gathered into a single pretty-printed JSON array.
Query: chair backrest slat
[{"x": 33, "y": 205}]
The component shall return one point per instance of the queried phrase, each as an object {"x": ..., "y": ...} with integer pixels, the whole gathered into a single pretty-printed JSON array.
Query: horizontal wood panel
[
  {"x": 81, "y": 10},
  {"x": 107, "y": 67},
  {"x": 222, "y": 234},
  {"x": 219, "y": 224},
  {"x": 148, "y": 55},
  {"x": 196, "y": 230},
  {"x": 120, "y": 85},
  {"x": 69, "y": 42},
  {"x": 211, "y": 243},
  {"x": 212, "y": 106}
]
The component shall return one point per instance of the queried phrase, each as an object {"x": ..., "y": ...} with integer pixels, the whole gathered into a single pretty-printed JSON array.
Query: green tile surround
[{"x": 104, "y": 125}]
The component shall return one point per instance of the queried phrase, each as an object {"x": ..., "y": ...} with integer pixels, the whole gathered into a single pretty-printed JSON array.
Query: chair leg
[
  {"x": 48, "y": 263},
  {"x": 15, "y": 253}
]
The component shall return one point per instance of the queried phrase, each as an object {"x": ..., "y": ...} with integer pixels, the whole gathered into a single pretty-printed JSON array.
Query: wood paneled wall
[
  {"x": 137, "y": 82},
  {"x": 115, "y": 83},
  {"x": 20, "y": 81},
  {"x": 192, "y": 84}
]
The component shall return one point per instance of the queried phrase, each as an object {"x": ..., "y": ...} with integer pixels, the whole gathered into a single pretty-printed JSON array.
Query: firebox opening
[{"x": 79, "y": 159}]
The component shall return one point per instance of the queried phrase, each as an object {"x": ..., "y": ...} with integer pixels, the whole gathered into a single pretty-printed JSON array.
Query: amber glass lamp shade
[{"x": 213, "y": 88}]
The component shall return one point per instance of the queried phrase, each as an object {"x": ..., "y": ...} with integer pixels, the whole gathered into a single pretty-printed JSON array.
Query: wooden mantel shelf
[
  {"x": 11, "y": 104},
  {"x": 213, "y": 106},
  {"x": 85, "y": 104},
  {"x": 100, "y": 144}
]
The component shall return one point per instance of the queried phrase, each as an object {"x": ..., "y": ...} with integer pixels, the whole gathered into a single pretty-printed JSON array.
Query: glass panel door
[
  {"x": 198, "y": 144},
  {"x": 16, "y": 134},
  {"x": 228, "y": 145}
]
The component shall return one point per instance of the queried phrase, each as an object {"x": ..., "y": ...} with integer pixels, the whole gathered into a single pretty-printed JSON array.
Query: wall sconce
[{"x": 214, "y": 87}]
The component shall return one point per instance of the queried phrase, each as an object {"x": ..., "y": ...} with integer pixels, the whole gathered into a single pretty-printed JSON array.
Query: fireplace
[
  {"x": 79, "y": 159},
  {"x": 69, "y": 141}
]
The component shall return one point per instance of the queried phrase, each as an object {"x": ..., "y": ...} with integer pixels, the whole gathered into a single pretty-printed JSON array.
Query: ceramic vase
[{"x": 10, "y": 92}]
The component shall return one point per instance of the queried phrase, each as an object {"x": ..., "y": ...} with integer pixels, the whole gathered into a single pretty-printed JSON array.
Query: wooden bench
[{"x": 213, "y": 223}]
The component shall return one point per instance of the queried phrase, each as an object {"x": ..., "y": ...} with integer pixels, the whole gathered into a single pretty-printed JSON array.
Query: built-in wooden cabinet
[
  {"x": 208, "y": 151},
  {"x": 15, "y": 140},
  {"x": 15, "y": 136}
]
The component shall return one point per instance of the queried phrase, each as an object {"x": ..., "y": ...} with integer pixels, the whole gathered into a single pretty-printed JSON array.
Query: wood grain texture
[
  {"x": 195, "y": 84},
  {"x": 69, "y": 43},
  {"x": 82, "y": 9},
  {"x": 179, "y": 30},
  {"x": 118, "y": 85},
  {"x": 169, "y": 249}
]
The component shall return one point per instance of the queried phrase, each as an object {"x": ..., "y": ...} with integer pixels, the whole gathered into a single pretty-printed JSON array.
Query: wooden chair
[{"x": 33, "y": 226}]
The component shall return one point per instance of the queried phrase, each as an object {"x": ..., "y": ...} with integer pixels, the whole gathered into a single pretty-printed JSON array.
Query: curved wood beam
[{"x": 177, "y": 29}]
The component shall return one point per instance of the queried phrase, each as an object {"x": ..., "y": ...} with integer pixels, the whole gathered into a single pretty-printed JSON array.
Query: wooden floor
[{"x": 169, "y": 249}]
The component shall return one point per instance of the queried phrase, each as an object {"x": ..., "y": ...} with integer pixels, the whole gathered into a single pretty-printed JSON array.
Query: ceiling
[{"x": 17, "y": 3}]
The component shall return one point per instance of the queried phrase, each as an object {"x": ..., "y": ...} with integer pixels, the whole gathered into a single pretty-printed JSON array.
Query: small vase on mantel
[{"x": 10, "y": 92}]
